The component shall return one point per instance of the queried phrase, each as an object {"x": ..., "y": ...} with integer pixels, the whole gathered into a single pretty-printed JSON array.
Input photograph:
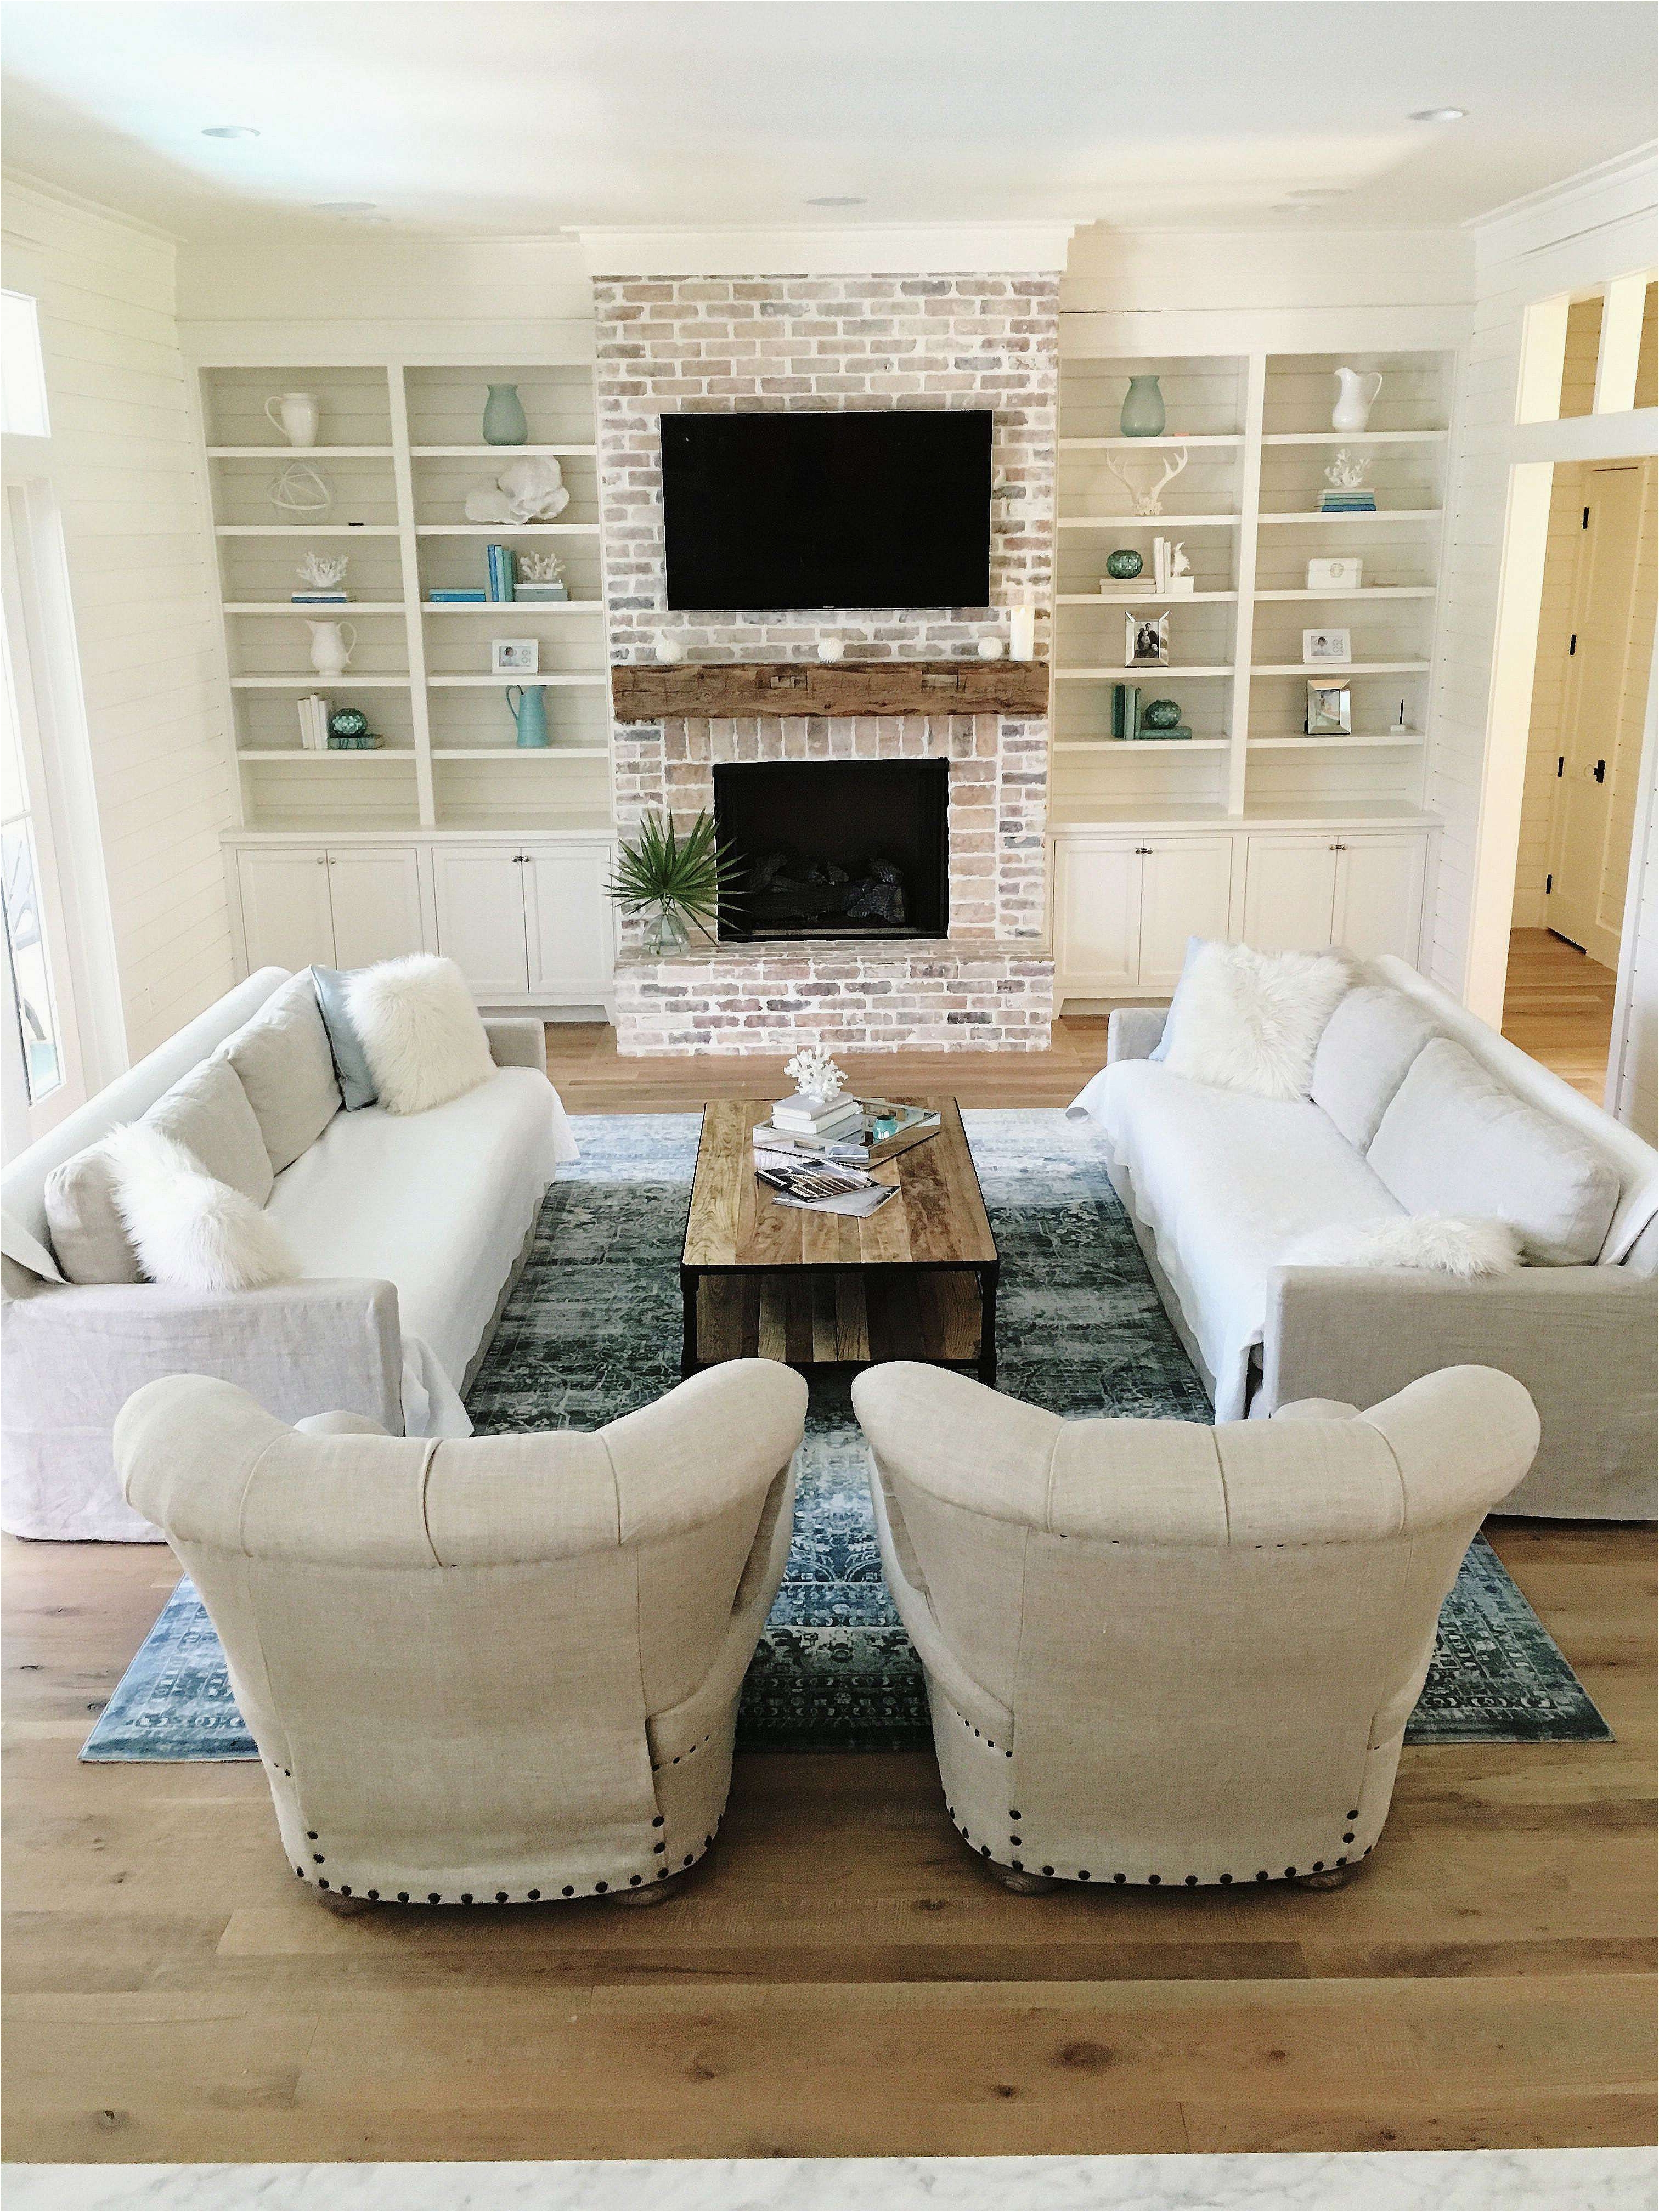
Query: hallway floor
[{"x": 1558, "y": 1005}]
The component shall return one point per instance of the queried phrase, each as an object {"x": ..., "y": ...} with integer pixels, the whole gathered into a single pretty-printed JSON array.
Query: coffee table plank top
[{"x": 937, "y": 1220}]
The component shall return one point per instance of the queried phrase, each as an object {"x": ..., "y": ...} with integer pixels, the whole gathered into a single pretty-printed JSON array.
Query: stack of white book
[
  {"x": 314, "y": 723},
  {"x": 819, "y": 1120}
]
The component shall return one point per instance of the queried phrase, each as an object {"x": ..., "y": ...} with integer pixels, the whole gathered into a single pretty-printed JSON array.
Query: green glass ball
[
  {"x": 348, "y": 722},
  {"x": 1124, "y": 564},
  {"x": 1160, "y": 715}
]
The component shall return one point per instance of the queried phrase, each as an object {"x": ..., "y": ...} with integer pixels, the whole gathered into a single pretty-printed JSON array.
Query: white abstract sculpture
[
  {"x": 525, "y": 491},
  {"x": 1150, "y": 502},
  {"x": 319, "y": 574},
  {"x": 300, "y": 491},
  {"x": 815, "y": 1074}
]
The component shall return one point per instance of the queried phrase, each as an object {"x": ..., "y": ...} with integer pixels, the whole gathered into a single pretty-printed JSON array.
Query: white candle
[{"x": 1022, "y": 633}]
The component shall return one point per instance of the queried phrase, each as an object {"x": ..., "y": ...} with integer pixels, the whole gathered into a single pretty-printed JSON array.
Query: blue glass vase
[
  {"x": 503, "y": 416},
  {"x": 1142, "y": 408}
]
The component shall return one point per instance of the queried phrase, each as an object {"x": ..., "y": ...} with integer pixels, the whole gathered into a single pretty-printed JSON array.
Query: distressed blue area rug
[{"x": 593, "y": 1331}]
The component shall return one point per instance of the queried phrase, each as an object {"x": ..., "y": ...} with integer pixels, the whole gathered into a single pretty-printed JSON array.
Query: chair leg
[
  {"x": 650, "y": 1893},
  {"x": 1022, "y": 1884},
  {"x": 1328, "y": 1878},
  {"x": 343, "y": 1908}
]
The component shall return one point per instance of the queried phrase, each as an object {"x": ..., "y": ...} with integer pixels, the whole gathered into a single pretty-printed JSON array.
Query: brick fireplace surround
[{"x": 777, "y": 342}]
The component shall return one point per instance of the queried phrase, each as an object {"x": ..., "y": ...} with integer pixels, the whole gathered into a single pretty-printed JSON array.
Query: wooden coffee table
[{"x": 917, "y": 1280}]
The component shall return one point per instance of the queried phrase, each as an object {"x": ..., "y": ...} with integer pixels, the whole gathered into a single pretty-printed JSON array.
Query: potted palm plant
[{"x": 678, "y": 881}]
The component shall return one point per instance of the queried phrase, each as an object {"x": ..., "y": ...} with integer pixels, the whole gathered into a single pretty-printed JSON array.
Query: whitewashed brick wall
[{"x": 797, "y": 343}]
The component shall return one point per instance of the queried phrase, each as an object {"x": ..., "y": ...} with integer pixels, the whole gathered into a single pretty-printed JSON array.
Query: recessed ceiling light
[
  {"x": 835, "y": 199},
  {"x": 345, "y": 207},
  {"x": 230, "y": 130},
  {"x": 1438, "y": 114}
]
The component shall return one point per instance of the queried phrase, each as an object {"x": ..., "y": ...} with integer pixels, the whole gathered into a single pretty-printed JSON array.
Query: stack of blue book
[
  {"x": 471, "y": 596},
  {"x": 1347, "y": 502},
  {"x": 503, "y": 570}
]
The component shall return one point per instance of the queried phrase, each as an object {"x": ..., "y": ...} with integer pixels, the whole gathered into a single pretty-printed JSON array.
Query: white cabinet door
[
  {"x": 375, "y": 891},
  {"x": 1290, "y": 892},
  {"x": 480, "y": 899},
  {"x": 567, "y": 921},
  {"x": 1096, "y": 917},
  {"x": 1186, "y": 886},
  {"x": 286, "y": 918},
  {"x": 1379, "y": 894}
]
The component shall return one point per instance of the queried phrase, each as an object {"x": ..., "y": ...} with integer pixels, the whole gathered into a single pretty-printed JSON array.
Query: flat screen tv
[{"x": 827, "y": 510}]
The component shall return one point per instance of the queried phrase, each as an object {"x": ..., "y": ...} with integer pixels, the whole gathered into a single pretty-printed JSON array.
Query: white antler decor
[{"x": 1149, "y": 502}]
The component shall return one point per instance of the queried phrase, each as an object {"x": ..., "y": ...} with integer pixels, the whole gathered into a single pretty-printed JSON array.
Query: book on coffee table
[{"x": 883, "y": 1131}]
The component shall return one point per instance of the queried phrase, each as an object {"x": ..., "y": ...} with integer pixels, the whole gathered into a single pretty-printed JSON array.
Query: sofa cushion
[
  {"x": 1367, "y": 1044},
  {"x": 1455, "y": 1140},
  {"x": 350, "y": 1060},
  {"x": 438, "y": 1203},
  {"x": 208, "y": 1113},
  {"x": 287, "y": 1070},
  {"x": 1249, "y": 1021},
  {"x": 1225, "y": 1182}
]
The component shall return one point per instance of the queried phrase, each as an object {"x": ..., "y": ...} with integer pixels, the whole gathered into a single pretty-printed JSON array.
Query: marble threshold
[{"x": 1613, "y": 2180}]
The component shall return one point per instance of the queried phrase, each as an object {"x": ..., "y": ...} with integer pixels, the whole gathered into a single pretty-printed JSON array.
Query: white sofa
[
  {"x": 1217, "y": 1184},
  {"x": 1165, "y": 1654},
  {"x": 502, "y": 1670},
  {"x": 410, "y": 1231}
]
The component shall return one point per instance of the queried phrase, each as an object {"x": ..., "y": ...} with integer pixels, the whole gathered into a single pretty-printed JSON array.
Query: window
[
  {"x": 22, "y": 370},
  {"x": 34, "y": 1002}
]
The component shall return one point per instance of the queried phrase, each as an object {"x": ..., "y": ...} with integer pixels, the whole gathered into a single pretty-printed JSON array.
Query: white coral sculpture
[
  {"x": 526, "y": 491},
  {"x": 815, "y": 1074},
  {"x": 540, "y": 567},
  {"x": 321, "y": 574},
  {"x": 1348, "y": 472}
]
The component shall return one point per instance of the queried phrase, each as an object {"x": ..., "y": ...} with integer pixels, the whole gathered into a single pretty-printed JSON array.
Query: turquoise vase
[
  {"x": 529, "y": 715},
  {"x": 1142, "y": 408},
  {"x": 503, "y": 416}
]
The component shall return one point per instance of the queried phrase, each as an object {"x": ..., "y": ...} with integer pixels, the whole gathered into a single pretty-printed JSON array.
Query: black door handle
[{"x": 1601, "y": 771}]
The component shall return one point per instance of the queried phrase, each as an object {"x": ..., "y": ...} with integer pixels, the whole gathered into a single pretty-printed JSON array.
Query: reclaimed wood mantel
[{"x": 725, "y": 689}]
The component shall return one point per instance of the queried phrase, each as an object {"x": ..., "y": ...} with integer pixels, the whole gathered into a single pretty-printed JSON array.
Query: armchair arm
[
  {"x": 517, "y": 1043},
  {"x": 1580, "y": 1339},
  {"x": 74, "y": 1357},
  {"x": 908, "y": 1590},
  {"x": 1132, "y": 1032}
]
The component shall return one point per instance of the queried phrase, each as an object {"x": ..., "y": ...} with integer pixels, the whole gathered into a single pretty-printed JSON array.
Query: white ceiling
[{"x": 473, "y": 118}]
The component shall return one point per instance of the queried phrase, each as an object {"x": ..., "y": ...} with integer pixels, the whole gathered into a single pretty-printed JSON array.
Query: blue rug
[{"x": 593, "y": 1332}]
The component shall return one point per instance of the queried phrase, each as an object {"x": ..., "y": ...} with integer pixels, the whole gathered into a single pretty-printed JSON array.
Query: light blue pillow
[
  {"x": 1161, "y": 1049},
  {"x": 357, "y": 1086}
]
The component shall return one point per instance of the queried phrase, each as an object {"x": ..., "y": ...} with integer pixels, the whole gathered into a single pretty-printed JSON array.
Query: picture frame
[
  {"x": 1328, "y": 647},
  {"x": 1335, "y": 575},
  {"x": 514, "y": 656},
  {"x": 1330, "y": 711},
  {"x": 1145, "y": 641}
]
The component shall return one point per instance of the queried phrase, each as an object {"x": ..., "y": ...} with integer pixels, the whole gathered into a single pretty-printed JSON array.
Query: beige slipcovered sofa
[
  {"x": 408, "y": 1230},
  {"x": 1416, "y": 1107},
  {"x": 499, "y": 1669},
  {"x": 1163, "y": 1653}
]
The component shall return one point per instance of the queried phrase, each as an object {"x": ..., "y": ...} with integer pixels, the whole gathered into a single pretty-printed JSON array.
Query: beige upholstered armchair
[
  {"x": 488, "y": 1670},
  {"x": 1162, "y": 1653}
]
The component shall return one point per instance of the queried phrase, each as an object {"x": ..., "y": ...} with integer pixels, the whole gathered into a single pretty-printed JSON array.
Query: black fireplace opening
[{"x": 834, "y": 848}]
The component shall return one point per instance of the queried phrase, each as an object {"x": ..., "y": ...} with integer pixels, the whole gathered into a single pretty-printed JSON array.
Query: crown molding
[
  {"x": 830, "y": 250},
  {"x": 1611, "y": 190},
  {"x": 24, "y": 180}
]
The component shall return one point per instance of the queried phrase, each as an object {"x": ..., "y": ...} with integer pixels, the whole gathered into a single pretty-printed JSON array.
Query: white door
[
  {"x": 567, "y": 922},
  {"x": 1612, "y": 637},
  {"x": 1379, "y": 895},
  {"x": 1096, "y": 917},
  {"x": 1290, "y": 892},
  {"x": 375, "y": 892},
  {"x": 1185, "y": 884},
  {"x": 479, "y": 895},
  {"x": 286, "y": 917}
]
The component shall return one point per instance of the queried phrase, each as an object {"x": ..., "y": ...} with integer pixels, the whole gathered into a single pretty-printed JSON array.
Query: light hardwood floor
[{"x": 840, "y": 1976}]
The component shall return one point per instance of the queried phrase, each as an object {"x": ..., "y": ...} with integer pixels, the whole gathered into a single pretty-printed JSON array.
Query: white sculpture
[
  {"x": 319, "y": 574},
  {"x": 530, "y": 490},
  {"x": 668, "y": 649},
  {"x": 1150, "y": 502},
  {"x": 300, "y": 491},
  {"x": 540, "y": 567},
  {"x": 832, "y": 648},
  {"x": 1347, "y": 472},
  {"x": 1180, "y": 581},
  {"x": 815, "y": 1074}
]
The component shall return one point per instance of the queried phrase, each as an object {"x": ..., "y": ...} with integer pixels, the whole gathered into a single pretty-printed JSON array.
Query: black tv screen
[{"x": 829, "y": 510}]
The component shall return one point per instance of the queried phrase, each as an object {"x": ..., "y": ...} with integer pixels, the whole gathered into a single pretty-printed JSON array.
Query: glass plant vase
[
  {"x": 666, "y": 933},
  {"x": 504, "y": 423},
  {"x": 1142, "y": 408}
]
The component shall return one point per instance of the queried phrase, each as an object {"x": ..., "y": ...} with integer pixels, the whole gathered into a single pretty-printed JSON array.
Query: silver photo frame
[
  {"x": 1145, "y": 641},
  {"x": 1330, "y": 711}
]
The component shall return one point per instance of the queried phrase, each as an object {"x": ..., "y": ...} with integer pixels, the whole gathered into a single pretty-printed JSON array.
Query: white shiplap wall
[
  {"x": 124, "y": 463},
  {"x": 1571, "y": 241}
]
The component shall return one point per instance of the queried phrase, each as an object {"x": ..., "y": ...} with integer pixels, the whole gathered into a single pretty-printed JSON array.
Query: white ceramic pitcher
[
  {"x": 296, "y": 415},
  {"x": 331, "y": 648},
  {"x": 1355, "y": 404}
]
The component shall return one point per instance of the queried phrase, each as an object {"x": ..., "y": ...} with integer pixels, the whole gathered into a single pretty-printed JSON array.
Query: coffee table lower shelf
[{"x": 810, "y": 1317}]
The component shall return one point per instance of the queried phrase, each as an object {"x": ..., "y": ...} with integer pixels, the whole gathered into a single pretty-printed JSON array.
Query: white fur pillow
[
  {"x": 1447, "y": 1243},
  {"x": 1245, "y": 1020},
  {"x": 420, "y": 1033},
  {"x": 191, "y": 1232}
]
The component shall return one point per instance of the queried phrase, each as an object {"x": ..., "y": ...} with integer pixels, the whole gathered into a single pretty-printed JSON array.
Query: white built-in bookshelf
[
  {"x": 400, "y": 447},
  {"x": 1257, "y": 431}
]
